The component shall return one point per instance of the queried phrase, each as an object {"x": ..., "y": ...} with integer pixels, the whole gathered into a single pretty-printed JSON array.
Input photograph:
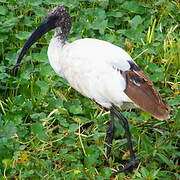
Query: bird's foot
[{"x": 130, "y": 166}]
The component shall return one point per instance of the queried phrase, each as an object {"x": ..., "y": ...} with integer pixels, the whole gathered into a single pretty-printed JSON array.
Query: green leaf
[
  {"x": 7, "y": 163},
  {"x": 23, "y": 35},
  {"x": 40, "y": 57},
  {"x": 63, "y": 151},
  {"x": 39, "y": 11},
  {"x": 38, "y": 129},
  {"x": 92, "y": 156},
  {"x": 3, "y": 76},
  {"x": 12, "y": 21},
  {"x": 158, "y": 76},
  {"x": 145, "y": 172},
  {"x": 131, "y": 34},
  {"x": 136, "y": 21},
  {"x": 133, "y": 6},
  {"x": 117, "y": 14},
  {"x": 3, "y": 37},
  {"x": 35, "y": 2},
  {"x": 19, "y": 100},
  {"x": 119, "y": 1},
  {"x": 3, "y": 10},
  {"x": 73, "y": 127},
  {"x": 8, "y": 130},
  {"x": 44, "y": 86},
  {"x": 38, "y": 115},
  {"x": 166, "y": 160},
  {"x": 75, "y": 109}
]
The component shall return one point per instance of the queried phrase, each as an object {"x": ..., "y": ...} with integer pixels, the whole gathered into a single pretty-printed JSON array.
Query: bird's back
[{"x": 89, "y": 66}]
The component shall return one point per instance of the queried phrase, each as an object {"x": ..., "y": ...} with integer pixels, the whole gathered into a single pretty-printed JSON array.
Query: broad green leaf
[
  {"x": 23, "y": 35},
  {"x": 3, "y": 37},
  {"x": 131, "y": 34},
  {"x": 12, "y": 21},
  {"x": 19, "y": 99},
  {"x": 75, "y": 109},
  {"x": 40, "y": 57},
  {"x": 3, "y": 76},
  {"x": 117, "y": 14},
  {"x": 3, "y": 10},
  {"x": 35, "y": 2},
  {"x": 38, "y": 129},
  {"x": 136, "y": 21},
  {"x": 8, "y": 130},
  {"x": 43, "y": 85},
  {"x": 38, "y": 115},
  {"x": 73, "y": 127},
  {"x": 133, "y": 6}
]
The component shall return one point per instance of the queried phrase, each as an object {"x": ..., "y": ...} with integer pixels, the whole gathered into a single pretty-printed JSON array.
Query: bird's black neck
[{"x": 63, "y": 28}]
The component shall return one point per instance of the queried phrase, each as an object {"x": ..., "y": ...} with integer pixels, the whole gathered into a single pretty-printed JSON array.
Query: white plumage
[{"x": 92, "y": 67}]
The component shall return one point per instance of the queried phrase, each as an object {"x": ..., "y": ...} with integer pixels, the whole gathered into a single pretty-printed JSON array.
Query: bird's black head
[{"x": 57, "y": 17}]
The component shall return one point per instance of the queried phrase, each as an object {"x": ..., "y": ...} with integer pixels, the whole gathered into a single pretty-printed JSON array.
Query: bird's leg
[
  {"x": 133, "y": 163},
  {"x": 109, "y": 137}
]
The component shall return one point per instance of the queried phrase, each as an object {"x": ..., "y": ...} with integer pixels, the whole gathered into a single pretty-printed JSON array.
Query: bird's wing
[{"x": 141, "y": 91}]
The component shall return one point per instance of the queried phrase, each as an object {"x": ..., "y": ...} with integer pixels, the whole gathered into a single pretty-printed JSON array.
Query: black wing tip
[{"x": 133, "y": 66}]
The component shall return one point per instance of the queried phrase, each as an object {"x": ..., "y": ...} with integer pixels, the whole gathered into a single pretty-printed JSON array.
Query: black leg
[
  {"x": 110, "y": 135},
  {"x": 133, "y": 161}
]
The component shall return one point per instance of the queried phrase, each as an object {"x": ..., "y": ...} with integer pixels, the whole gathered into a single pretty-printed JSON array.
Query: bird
[{"x": 101, "y": 71}]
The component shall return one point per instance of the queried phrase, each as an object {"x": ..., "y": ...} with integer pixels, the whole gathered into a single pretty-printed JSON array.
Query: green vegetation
[{"x": 48, "y": 130}]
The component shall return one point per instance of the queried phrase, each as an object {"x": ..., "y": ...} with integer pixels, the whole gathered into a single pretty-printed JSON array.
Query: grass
[{"x": 49, "y": 131}]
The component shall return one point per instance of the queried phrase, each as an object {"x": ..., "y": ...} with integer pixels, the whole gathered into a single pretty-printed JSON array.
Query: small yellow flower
[
  {"x": 24, "y": 157},
  {"x": 76, "y": 171}
]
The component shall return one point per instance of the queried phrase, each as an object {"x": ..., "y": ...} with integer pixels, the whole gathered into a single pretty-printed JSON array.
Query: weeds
[{"x": 48, "y": 130}]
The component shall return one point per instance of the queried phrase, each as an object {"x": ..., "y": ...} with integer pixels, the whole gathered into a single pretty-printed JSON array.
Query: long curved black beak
[{"x": 48, "y": 24}]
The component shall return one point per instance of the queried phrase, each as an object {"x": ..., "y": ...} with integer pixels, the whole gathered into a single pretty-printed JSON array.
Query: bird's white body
[{"x": 92, "y": 67}]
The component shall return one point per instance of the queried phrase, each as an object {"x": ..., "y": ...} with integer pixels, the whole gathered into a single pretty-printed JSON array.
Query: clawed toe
[
  {"x": 130, "y": 166},
  {"x": 135, "y": 163}
]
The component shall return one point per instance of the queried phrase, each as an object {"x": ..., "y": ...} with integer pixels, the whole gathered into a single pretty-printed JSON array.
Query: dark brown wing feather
[{"x": 142, "y": 92}]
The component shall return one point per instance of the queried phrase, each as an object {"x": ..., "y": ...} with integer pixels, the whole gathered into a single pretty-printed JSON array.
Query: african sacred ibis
[{"x": 100, "y": 71}]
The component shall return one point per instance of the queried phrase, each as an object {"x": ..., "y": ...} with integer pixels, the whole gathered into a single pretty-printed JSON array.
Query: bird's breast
[{"x": 55, "y": 53}]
